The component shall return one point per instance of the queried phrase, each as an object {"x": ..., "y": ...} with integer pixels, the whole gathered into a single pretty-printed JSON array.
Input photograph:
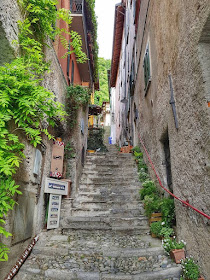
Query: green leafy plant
[
  {"x": 149, "y": 188},
  {"x": 69, "y": 151},
  {"x": 152, "y": 205},
  {"x": 95, "y": 140},
  {"x": 103, "y": 93},
  {"x": 136, "y": 149},
  {"x": 190, "y": 269},
  {"x": 168, "y": 211},
  {"x": 160, "y": 229},
  {"x": 77, "y": 96},
  {"x": 24, "y": 103},
  {"x": 93, "y": 26},
  {"x": 171, "y": 244}
]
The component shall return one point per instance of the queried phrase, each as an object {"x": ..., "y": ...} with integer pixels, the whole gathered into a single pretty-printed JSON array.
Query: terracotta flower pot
[{"x": 177, "y": 255}]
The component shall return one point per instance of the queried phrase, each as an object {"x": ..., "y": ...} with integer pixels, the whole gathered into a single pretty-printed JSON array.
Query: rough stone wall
[
  {"x": 78, "y": 141},
  {"x": 174, "y": 30},
  {"x": 28, "y": 217}
]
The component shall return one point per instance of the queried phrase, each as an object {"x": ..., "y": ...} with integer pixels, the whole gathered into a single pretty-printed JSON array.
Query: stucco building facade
[{"x": 169, "y": 107}]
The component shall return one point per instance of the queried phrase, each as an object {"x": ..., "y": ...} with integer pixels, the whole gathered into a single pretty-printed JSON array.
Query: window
[
  {"x": 147, "y": 72},
  {"x": 72, "y": 73}
]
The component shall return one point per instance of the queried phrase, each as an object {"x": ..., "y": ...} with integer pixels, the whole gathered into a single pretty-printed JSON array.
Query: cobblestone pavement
[{"x": 104, "y": 234}]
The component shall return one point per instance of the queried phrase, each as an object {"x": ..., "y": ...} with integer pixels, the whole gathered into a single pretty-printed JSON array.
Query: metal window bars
[{"x": 76, "y": 6}]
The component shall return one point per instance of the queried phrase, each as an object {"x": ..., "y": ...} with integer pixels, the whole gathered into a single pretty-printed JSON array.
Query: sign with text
[
  {"x": 56, "y": 169},
  {"x": 54, "y": 211},
  {"x": 56, "y": 186}
]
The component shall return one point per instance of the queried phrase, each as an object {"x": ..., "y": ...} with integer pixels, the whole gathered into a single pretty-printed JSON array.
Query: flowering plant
[
  {"x": 190, "y": 269},
  {"x": 171, "y": 244}
]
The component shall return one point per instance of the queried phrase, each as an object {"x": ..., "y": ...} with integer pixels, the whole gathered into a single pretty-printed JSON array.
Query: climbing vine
[
  {"x": 24, "y": 103},
  {"x": 77, "y": 96},
  {"x": 94, "y": 28}
]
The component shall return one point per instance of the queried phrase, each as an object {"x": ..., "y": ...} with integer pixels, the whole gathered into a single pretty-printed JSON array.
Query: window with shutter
[{"x": 147, "y": 72}]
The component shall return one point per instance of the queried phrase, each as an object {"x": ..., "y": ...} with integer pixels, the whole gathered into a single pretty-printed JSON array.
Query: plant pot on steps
[
  {"x": 200, "y": 278},
  {"x": 177, "y": 255}
]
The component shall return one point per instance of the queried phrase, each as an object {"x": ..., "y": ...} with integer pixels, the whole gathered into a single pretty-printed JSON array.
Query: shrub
[
  {"x": 168, "y": 210},
  {"x": 149, "y": 188},
  {"x": 190, "y": 269},
  {"x": 171, "y": 244}
]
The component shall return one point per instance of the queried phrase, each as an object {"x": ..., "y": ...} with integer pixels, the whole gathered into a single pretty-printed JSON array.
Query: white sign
[
  {"x": 56, "y": 186},
  {"x": 54, "y": 211}
]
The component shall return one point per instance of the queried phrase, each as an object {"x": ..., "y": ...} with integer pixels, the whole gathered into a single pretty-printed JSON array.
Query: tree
[{"x": 103, "y": 94}]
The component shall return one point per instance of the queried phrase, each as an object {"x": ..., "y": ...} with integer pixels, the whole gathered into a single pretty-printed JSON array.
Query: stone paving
[{"x": 103, "y": 233}]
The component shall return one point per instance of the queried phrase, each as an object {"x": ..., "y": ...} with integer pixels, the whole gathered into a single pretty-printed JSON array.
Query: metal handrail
[{"x": 185, "y": 203}]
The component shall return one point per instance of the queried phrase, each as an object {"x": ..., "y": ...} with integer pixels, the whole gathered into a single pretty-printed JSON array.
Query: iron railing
[{"x": 76, "y": 6}]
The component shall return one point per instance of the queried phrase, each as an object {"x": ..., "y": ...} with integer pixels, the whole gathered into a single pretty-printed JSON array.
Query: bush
[
  {"x": 149, "y": 188},
  {"x": 152, "y": 205},
  {"x": 171, "y": 244},
  {"x": 168, "y": 211},
  {"x": 136, "y": 149},
  {"x": 190, "y": 269}
]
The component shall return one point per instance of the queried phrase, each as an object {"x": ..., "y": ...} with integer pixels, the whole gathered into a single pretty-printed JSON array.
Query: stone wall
[
  {"x": 175, "y": 31},
  {"x": 28, "y": 217}
]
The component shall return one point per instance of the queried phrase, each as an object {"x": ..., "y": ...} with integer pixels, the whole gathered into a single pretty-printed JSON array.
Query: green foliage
[
  {"x": 103, "y": 94},
  {"x": 136, "y": 149},
  {"x": 77, "y": 96},
  {"x": 152, "y": 205},
  {"x": 171, "y": 244},
  {"x": 149, "y": 188},
  {"x": 94, "y": 27},
  {"x": 161, "y": 230},
  {"x": 95, "y": 140},
  {"x": 168, "y": 210},
  {"x": 69, "y": 151},
  {"x": 190, "y": 269},
  {"x": 40, "y": 24},
  {"x": 25, "y": 104}
]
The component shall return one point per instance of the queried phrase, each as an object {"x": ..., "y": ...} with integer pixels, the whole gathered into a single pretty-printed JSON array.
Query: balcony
[
  {"x": 76, "y": 6},
  {"x": 81, "y": 23}
]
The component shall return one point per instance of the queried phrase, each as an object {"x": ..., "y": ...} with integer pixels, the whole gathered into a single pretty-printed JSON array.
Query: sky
[{"x": 105, "y": 13}]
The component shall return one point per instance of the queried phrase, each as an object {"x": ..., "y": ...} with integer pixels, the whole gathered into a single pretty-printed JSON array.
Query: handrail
[
  {"x": 179, "y": 199},
  {"x": 22, "y": 259}
]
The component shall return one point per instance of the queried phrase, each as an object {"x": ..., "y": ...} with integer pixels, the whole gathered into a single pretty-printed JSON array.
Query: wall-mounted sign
[
  {"x": 54, "y": 211},
  {"x": 56, "y": 186},
  {"x": 56, "y": 169}
]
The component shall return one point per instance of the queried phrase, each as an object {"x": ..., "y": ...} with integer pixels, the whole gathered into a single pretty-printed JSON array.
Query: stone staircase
[{"x": 104, "y": 234}]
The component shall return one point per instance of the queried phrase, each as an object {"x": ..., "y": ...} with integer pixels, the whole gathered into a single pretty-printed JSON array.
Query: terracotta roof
[{"x": 117, "y": 42}]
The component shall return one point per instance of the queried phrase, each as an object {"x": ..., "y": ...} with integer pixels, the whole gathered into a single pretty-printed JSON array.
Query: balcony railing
[{"x": 76, "y": 6}]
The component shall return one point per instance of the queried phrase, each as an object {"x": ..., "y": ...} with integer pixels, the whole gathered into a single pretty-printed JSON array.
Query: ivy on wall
[
  {"x": 77, "y": 96},
  {"x": 94, "y": 30},
  {"x": 24, "y": 104}
]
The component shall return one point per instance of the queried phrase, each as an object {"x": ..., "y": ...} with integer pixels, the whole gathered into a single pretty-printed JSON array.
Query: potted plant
[
  {"x": 190, "y": 270},
  {"x": 160, "y": 229},
  {"x": 174, "y": 249}
]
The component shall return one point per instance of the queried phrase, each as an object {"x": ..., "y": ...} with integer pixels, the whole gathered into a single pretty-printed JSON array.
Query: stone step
[
  {"x": 91, "y": 197},
  {"x": 169, "y": 274},
  {"x": 97, "y": 188},
  {"x": 118, "y": 181},
  {"x": 131, "y": 261},
  {"x": 106, "y": 205},
  {"x": 105, "y": 222}
]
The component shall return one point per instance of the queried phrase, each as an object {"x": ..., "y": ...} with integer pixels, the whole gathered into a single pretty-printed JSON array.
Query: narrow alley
[
  {"x": 103, "y": 232},
  {"x": 104, "y": 140}
]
